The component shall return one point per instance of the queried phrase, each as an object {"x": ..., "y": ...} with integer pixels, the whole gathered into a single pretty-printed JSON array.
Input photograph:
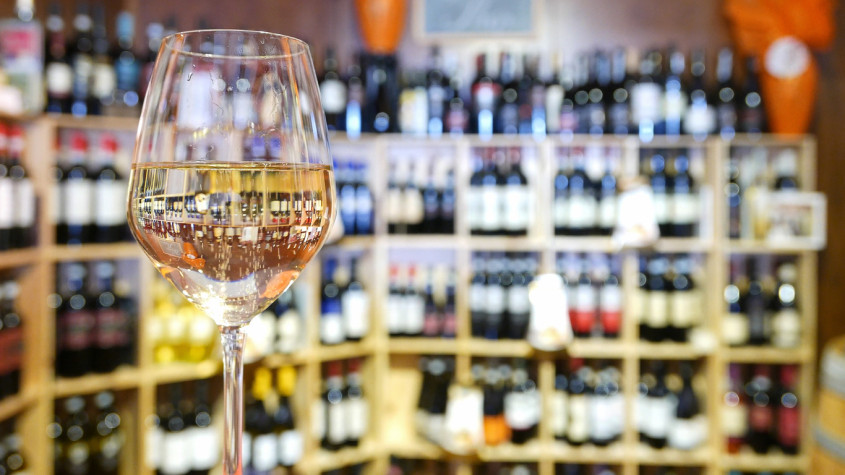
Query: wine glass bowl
[{"x": 231, "y": 192}]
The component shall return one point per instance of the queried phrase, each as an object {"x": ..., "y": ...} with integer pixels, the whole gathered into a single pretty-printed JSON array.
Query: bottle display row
[
  {"x": 17, "y": 194},
  {"x": 345, "y": 302},
  {"x": 498, "y": 294},
  {"x": 762, "y": 409},
  {"x": 11, "y": 339},
  {"x": 668, "y": 303},
  {"x": 420, "y": 193},
  {"x": 271, "y": 437},
  {"x": 499, "y": 200},
  {"x": 13, "y": 456},
  {"x": 96, "y": 317},
  {"x": 421, "y": 299},
  {"x": 341, "y": 417},
  {"x": 182, "y": 438},
  {"x": 88, "y": 435},
  {"x": 594, "y": 293},
  {"x": 669, "y": 409}
]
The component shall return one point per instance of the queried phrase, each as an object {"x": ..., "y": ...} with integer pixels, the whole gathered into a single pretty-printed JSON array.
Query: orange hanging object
[
  {"x": 382, "y": 23},
  {"x": 788, "y": 82}
]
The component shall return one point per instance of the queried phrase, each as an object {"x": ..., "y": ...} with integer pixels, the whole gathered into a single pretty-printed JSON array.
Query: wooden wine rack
[{"x": 391, "y": 376}]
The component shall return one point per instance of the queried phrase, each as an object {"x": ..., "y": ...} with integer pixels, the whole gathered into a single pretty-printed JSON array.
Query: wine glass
[{"x": 232, "y": 190}]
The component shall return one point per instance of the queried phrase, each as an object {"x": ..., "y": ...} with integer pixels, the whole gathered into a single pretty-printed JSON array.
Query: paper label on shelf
[
  {"x": 76, "y": 202},
  {"x": 318, "y": 419},
  {"x": 264, "y": 454},
  {"x": 786, "y": 328},
  {"x": 685, "y": 208},
  {"x": 685, "y": 308},
  {"x": 7, "y": 203},
  {"x": 25, "y": 203},
  {"x": 357, "y": 418},
  {"x": 491, "y": 208},
  {"x": 522, "y": 409},
  {"x": 517, "y": 207},
  {"x": 176, "y": 453},
  {"x": 475, "y": 207},
  {"x": 558, "y": 412},
  {"x": 205, "y": 447},
  {"x": 549, "y": 327},
  {"x": 687, "y": 434},
  {"x": 579, "y": 425},
  {"x": 291, "y": 447},
  {"x": 355, "y": 308},
  {"x": 657, "y": 315},
  {"x": 336, "y": 423},
  {"x": 735, "y": 329}
]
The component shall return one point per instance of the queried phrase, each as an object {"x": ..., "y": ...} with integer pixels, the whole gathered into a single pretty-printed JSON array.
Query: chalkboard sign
[{"x": 477, "y": 17}]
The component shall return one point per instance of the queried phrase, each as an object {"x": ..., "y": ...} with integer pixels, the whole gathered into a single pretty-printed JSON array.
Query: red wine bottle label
[
  {"x": 760, "y": 418},
  {"x": 789, "y": 426},
  {"x": 112, "y": 328},
  {"x": 76, "y": 329},
  {"x": 734, "y": 417}
]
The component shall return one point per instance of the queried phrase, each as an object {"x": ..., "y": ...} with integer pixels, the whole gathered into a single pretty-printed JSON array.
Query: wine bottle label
[
  {"x": 558, "y": 410},
  {"x": 289, "y": 331},
  {"x": 76, "y": 329},
  {"x": 200, "y": 331},
  {"x": 637, "y": 306},
  {"x": 355, "y": 308},
  {"x": 242, "y": 109},
  {"x": 560, "y": 212},
  {"x": 600, "y": 414},
  {"x": 674, "y": 105},
  {"x": 582, "y": 211},
  {"x": 685, "y": 208},
  {"x": 522, "y": 409},
  {"x": 264, "y": 454},
  {"x": 658, "y": 309},
  {"x": 640, "y": 412},
  {"x": 518, "y": 302},
  {"x": 76, "y": 202},
  {"x": 517, "y": 207},
  {"x": 579, "y": 428},
  {"x": 687, "y": 434},
  {"x": 59, "y": 79},
  {"x": 659, "y": 416},
  {"x": 475, "y": 207},
  {"x": 607, "y": 212},
  {"x": 414, "y": 314},
  {"x": 176, "y": 453},
  {"x": 357, "y": 418},
  {"x": 112, "y": 328},
  {"x": 103, "y": 80},
  {"x": 25, "y": 203},
  {"x": 734, "y": 420},
  {"x": 205, "y": 447},
  {"x": 646, "y": 102},
  {"x": 77, "y": 453},
  {"x": 57, "y": 214},
  {"x": 760, "y": 418},
  {"x": 413, "y": 206},
  {"x": 615, "y": 405},
  {"x": 685, "y": 308},
  {"x": 491, "y": 215},
  {"x": 246, "y": 449},
  {"x": 7, "y": 203},
  {"x": 700, "y": 119},
  {"x": 494, "y": 299},
  {"x": 318, "y": 419},
  {"x": 336, "y": 423},
  {"x": 786, "y": 328},
  {"x": 333, "y": 96},
  {"x": 585, "y": 298},
  {"x": 554, "y": 98},
  {"x": 153, "y": 439},
  {"x": 291, "y": 447},
  {"x": 789, "y": 426},
  {"x": 661, "y": 207},
  {"x": 477, "y": 297},
  {"x": 395, "y": 314},
  {"x": 331, "y": 328},
  {"x": 735, "y": 330}
]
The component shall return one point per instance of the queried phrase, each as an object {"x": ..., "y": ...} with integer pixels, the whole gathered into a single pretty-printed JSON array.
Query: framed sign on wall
[{"x": 475, "y": 18}]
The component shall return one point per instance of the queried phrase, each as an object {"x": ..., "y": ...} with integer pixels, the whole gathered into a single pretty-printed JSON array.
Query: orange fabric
[
  {"x": 789, "y": 107},
  {"x": 382, "y": 23},
  {"x": 756, "y": 23},
  {"x": 496, "y": 430}
]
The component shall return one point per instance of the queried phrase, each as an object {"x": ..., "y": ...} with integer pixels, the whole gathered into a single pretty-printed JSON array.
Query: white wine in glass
[{"x": 232, "y": 191}]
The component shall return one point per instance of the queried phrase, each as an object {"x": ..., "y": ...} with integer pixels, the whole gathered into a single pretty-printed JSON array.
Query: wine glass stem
[{"x": 233, "y": 391}]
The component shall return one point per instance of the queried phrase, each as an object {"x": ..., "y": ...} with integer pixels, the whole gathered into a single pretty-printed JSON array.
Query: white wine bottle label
[
  {"x": 687, "y": 434},
  {"x": 205, "y": 447},
  {"x": 336, "y": 423},
  {"x": 355, "y": 305},
  {"x": 395, "y": 213},
  {"x": 475, "y": 207},
  {"x": 289, "y": 332},
  {"x": 25, "y": 203},
  {"x": 517, "y": 207},
  {"x": 658, "y": 309},
  {"x": 491, "y": 216},
  {"x": 331, "y": 328},
  {"x": 521, "y": 409},
  {"x": 357, "y": 418},
  {"x": 291, "y": 448},
  {"x": 76, "y": 202},
  {"x": 560, "y": 212},
  {"x": 318, "y": 419},
  {"x": 685, "y": 308},
  {"x": 579, "y": 428},
  {"x": 646, "y": 102},
  {"x": 414, "y": 314},
  {"x": 176, "y": 453},
  {"x": 7, "y": 203},
  {"x": 685, "y": 208},
  {"x": 660, "y": 416},
  {"x": 786, "y": 328},
  {"x": 153, "y": 439},
  {"x": 582, "y": 211},
  {"x": 413, "y": 206},
  {"x": 264, "y": 452},
  {"x": 607, "y": 212},
  {"x": 518, "y": 302},
  {"x": 734, "y": 420},
  {"x": 661, "y": 208},
  {"x": 735, "y": 329},
  {"x": 395, "y": 314},
  {"x": 558, "y": 413}
]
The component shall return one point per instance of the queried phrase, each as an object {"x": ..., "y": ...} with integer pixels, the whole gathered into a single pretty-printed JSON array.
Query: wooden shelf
[
  {"x": 767, "y": 354},
  {"x": 682, "y": 245},
  {"x": 598, "y": 348},
  {"x": 324, "y": 461},
  {"x": 183, "y": 371},
  {"x": 88, "y": 252},
  {"x": 342, "y": 351},
  {"x": 277, "y": 360},
  {"x": 423, "y": 346},
  {"x": 119, "y": 379},
  {"x": 18, "y": 258},
  {"x": 353, "y": 242},
  {"x": 668, "y": 351},
  {"x": 501, "y": 348},
  {"x": 751, "y": 246},
  {"x": 776, "y": 140},
  {"x": 533, "y": 450},
  {"x": 749, "y": 461},
  {"x": 587, "y": 454},
  {"x": 13, "y": 405},
  {"x": 114, "y": 124},
  {"x": 673, "y": 457},
  {"x": 424, "y": 241},
  {"x": 583, "y": 244},
  {"x": 506, "y": 243},
  {"x": 417, "y": 449}
]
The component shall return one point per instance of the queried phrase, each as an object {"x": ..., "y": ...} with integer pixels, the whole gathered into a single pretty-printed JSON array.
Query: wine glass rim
[{"x": 300, "y": 46}]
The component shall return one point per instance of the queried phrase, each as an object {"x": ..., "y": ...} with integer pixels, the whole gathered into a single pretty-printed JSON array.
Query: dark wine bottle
[
  {"x": 752, "y": 114},
  {"x": 726, "y": 95},
  {"x": 761, "y": 412}
]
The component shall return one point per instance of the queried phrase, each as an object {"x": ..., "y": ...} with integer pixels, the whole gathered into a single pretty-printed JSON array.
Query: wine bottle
[
  {"x": 76, "y": 321},
  {"x": 496, "y": 429},
  {"x": 661, "y": 187},
  {"x": 346, "y": 196},
  {"x": 113, "y": 328},
  {"x": 380, "y": 93},
  {"x": 75, "y": 457},
  {"x": 13, "y": 459},
  {"x": 431, "y": 202},
  {"x": 554, "y": 96},
  {"x": 331, "y": 313},
  {"x": 560, "y": 207},
  {"x": 336, "y": 423},
  {"x": 155, "y": 32},
  {"x": 80, "y": 52},
  {"x": 789, "y": 428},
  {"x": 584, "y": 305},
  {"x": 675, "y": 93},
  {"x": 395, "y": 319},
  {"x": 7, "y": 194},
  {"x": 291, "y": 443},
  {"x": 413, "y": 204},
  {"x": 204, "y": 439},
  {"x": 264, "y": 453},
  {"x": 582, "y": 200},
  {"x": 578, "y": 429},
  {"x": 103, "y": 79},
  {"x": 685, "y": 301},
  {"x": 754, "y": 306},
  {"x": 687, "y": 431},
  {"x": 581, "y": 92},
  {"x": 618, "y": 103},
  {"x": 11, "y": 339},
  {"x": 431, "y": 321},
  {"x": 475, "y": 204},
  {"x": 485, "y": 93},
  {"x": 507, "y": 114},
  {"x": 734, "y": 411},
  {"x": 752, "y": 115},
  {"x": 610, "y": 303},
  {"x": 333, "y": 92},
  {"x": 109, "y": 195},
  {"x": 23, "y": 223},
  {"x": 785, "y": 170},
  {"x": 517, "y": 199},
  {"x": 734, "y": 198},
  {"x": 661, "y": 409},
  {"x": 77, "y": 194},
  {"x": 414, "y": 303},
  {"x": 457, "y": 116},
  {"x": 438, "y": 93},
  {"x": 559, "y": 407},
  {"x": 109, "y": 441},
  {"x": 449, "y": 316},
  {"x": 657, "y": 308},
  {"x": 58, "y": 74},
  {"x": 701, "y": 117},
  {"x": 786, "y": 319},
  {"x": 494, "y": 294},
  {"x": 518, "y": 303},
  {"x": 288, "y": 323},
  {"x": 127, "y": 67},
  {"x": 447, "y": 200},
  {"x": 522, "y": 404},
  {"x": 735, "y": 324},
  {"x": 761, "y": 411},
  {"x": 685, "y": 202},
  {"x": 478, "y": 296},
  {"x": 607, "y": 199},
  {"x": 356, "y": 405},
  {"x": 354, "y": 119},
  {"x": 363, "y": 200},
  {"x": 355, "y": 305},
  {"x": 726, "y": 100},
  {"x": 597, "y": 94},
  {"x": 646, "y": 97},
  {"x": 533, "y": 115}
]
